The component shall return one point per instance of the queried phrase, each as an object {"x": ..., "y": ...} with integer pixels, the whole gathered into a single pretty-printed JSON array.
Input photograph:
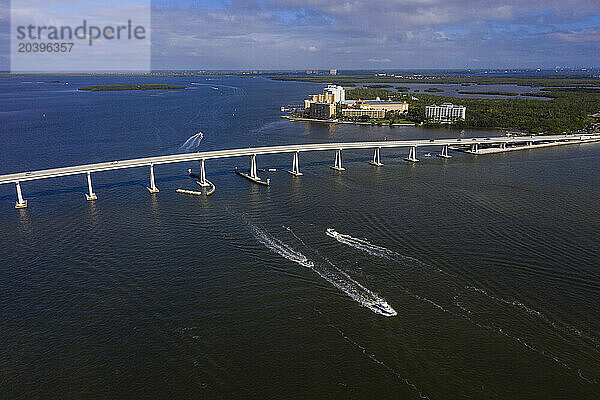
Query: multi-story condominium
[
  {"x": 338, "y": 93},
  {"x": 445, "y": 113},
  {"x": 359, "y": 112},
  {"x": 400, "y": 106},
  {"x": 315, "y": 105},
  {"x": 322, "y": 110}
]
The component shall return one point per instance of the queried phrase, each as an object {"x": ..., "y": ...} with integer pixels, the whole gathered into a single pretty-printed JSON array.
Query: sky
[{"x": 371, "y": 34}]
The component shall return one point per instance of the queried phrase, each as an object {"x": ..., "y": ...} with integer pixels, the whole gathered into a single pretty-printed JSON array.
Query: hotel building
[{"x": 445, "y": 113}]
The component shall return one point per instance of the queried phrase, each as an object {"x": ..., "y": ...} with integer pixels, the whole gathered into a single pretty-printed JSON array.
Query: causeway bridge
[{"x": 471, "y": 145}]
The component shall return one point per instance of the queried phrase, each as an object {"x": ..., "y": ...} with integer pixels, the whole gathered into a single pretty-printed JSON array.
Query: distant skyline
[{"x": 376, "y": 34}]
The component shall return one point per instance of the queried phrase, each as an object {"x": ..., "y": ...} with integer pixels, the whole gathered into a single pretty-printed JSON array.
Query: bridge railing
[{"x": 150, "y": 162}]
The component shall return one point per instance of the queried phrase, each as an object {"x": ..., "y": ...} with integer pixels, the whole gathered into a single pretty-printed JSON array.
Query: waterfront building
[
  {"x": 398, "y": 106},
  {"x": 338, "y": 93},
  {"x": 322, "y": 110},
  {"x": 445, "y": 113},
  {"x": 359, "y": 112},
  {"x": 332, "y": 95},
  {"x": 333, "y": 72}
]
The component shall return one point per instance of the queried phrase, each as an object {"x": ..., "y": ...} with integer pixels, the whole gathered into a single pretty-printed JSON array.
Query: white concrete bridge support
[
  {"x": 91, "y": 195},
  {"x": 253, "y": 173},
  {"x": 338, "y": 161},
  {"x": 503, "y": 146},
  {"x": 152, "y": 188},
  {"x": 20, "y": 202},
  {"x": 295, "y": 165},
  {"x": 377, "y": 158},
  {"x": 203, "y": 182},
  {"x": 412, "y": 155},
  {"x": 444, "y": 153},
  {"x": 475, "y": 148}
]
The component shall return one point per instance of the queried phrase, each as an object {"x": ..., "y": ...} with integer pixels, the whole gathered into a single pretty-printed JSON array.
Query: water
[{"x": 489, "y": 262}]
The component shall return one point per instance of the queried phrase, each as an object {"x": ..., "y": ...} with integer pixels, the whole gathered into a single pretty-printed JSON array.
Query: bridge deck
[{"x": 207, "y": 155}]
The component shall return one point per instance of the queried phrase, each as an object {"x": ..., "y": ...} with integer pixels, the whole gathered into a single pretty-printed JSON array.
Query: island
[
  {"x": 110, "y": 88},
  {"x": 563, "y": 104}
]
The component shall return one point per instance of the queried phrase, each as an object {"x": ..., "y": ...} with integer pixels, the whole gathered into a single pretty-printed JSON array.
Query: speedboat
[
  {"x": 384, "y": 308},
  {"x": 427, "y": 155}
]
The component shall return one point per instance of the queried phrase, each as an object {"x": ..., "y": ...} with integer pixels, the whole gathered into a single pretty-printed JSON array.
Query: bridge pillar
[
  {"x": 377, "y": 158},
  {"x": 412, "y": 155},
  {"x": 503, "y": 145},
  {"x": 91, "y": 195},
  {"x": 475, "y": 148},
  {"x": 203, "y": 182},
  {"x": 152, "y": 188},
  {"x": 295, "y": 165},
  {"x": 253, "y": 173},
  {"x": 444, "y": 153},
  {"x": 338, "y": 161},
  {"x": 20, "y": 202}
]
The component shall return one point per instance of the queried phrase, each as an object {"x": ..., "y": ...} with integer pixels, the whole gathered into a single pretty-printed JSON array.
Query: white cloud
[
  {"x": 580, "y": 36},
  {"x": 419, "y": 33}
]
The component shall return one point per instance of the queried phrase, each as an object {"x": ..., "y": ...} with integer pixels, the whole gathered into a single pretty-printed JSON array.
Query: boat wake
[
  {"x": 334, "y": 275},
  {"x": 467, "y": 314},
  {"x": 366, "y": 246},
  {"x": 192, "y": 143},
  {"x": 373, "y": 358},
  {"x": 278, "y": 247},
  {"x": 559, "y": 326}
]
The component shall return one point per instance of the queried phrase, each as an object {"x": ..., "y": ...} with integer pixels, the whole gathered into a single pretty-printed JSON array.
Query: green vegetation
[
  {"x": 572, "y": 89},
  {"x": 159, "y": 86},
  {"x": 402, "y": 89},
  {"x": 566, "y": 111},
  {"x": 379, "y": 86},
  {"x": 490, "y": 93},
  {"x": 547, "y": 81},
  {"x": 368, "y": 93},
  {"x": 433, "y": 90}
]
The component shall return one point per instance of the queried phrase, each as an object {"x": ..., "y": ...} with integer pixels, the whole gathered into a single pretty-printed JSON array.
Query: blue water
[{"x": 489, "y": 262}]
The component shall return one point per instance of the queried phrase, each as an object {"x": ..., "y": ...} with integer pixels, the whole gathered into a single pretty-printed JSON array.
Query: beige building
[
  {"x": 399, "y": 106},
  {"x": 359, "y": 112},
  {"x": 324, "y": 105}
]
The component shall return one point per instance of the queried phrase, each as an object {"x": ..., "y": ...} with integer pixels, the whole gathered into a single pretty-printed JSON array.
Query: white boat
[
  {"x": 427, "y": 155},
  {"x": 384, "y": 308}
]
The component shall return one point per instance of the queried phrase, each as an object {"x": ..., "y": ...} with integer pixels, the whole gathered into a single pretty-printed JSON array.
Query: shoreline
[{"x": 294, "y": 119}]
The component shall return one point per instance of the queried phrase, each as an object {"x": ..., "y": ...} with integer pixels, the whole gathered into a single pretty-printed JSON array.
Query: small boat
[
  {"x": 427, "y": 155},
  {"x": 384, "y": 309}
]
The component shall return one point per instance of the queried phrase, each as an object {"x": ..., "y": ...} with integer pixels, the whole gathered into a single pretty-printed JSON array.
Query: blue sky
[{"x": 372, "y": 34}]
